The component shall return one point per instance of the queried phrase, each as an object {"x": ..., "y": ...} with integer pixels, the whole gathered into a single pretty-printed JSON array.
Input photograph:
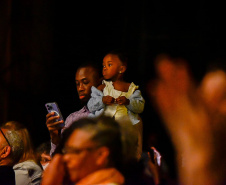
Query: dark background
[{"x": 43, "y": 42}]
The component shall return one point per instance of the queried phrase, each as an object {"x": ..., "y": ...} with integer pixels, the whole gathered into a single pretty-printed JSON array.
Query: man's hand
[
  {"x": 108, "y": 100},
  {"x": 122, "y": 100},
  {"x": 53, "y": 127}
]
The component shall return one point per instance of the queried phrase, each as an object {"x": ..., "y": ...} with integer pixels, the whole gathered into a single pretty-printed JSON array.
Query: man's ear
[
  {"x": 5, "y": 152},
  {"x": 103, "y": 153},
  {"x": 122, "y": 69}
]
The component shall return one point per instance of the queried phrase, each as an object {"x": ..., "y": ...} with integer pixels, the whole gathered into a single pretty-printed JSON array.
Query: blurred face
[
  {"x": 85, "y": 78},
  {"x": 80, "y": 155},
  {"x": 111, "y": 67},
  {"x": 45, "y": 160}
]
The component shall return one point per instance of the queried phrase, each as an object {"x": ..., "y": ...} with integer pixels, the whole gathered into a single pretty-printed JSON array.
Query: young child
[{"x": 115, "y": 97}]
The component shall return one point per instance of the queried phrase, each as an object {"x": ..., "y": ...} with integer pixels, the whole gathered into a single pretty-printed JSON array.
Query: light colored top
[
  {"x": 115, "y": 110},
  {"x": 136, "y": 105},
  {"x": 27, "y": 173}
]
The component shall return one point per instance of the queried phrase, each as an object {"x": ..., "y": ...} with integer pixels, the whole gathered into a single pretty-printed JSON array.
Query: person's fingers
[
  {"x": 55, "y": 126},
  {"x": 109, "y": 103},
  {"x": 52, "y": 119},
  {"x": 56, "y": 123},
  {"x": 112, "y": 100},
  {"x": 49, "y": 115}
]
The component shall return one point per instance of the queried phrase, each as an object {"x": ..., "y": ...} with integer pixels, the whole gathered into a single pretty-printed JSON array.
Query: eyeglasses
[
  {"x": 5, "y": 137},
  {"x": 74, "y": 150}
]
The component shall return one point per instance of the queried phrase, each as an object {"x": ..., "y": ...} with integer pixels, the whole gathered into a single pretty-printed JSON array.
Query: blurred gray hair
[{"x": 16, "y": 144}]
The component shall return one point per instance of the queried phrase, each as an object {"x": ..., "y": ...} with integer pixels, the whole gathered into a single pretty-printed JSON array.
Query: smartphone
[{"x": 53, "y": 107}]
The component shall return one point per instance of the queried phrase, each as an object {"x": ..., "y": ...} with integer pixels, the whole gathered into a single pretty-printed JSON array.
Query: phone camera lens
[{"x": 49, "y": 107}]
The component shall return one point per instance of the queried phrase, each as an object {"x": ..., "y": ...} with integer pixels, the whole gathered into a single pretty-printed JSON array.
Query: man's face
[
  {"x": 85, "y": 78},
  {"x": 80, "y": 156}
]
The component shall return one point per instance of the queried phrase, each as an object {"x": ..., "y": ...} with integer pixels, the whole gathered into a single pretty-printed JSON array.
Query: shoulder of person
[
  {"x": 74, "y": 114},
  {"x": 29, "y": 164},
  {"x": 101, "y": 87},
  {"x": 126, "y": 85},
  {"x": 122, "y": 86}
]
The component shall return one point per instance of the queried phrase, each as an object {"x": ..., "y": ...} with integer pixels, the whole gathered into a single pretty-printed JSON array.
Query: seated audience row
[{"x": 96, "y": 151}]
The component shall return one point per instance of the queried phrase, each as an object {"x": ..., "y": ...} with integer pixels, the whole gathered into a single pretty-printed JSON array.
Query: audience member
[
  {"x": 27, "y": 170},
  {"x": 116, "y": 97},
  {"x": 87, "y": 75},
  {"x": 42, "y": 152},
  {"x": 192, "y": 118},
  {"x": 92, "y": 153},
  {"x": 11, "y": 151}
]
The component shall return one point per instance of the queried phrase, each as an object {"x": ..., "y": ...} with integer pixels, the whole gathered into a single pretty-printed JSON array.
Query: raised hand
[
  {"x": 54, "y": 127},
  {"x": 184, "y": 114}
]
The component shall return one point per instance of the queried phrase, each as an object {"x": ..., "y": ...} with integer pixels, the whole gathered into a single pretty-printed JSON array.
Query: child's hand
[
  {"x": 108, "y": 100},
  {"x": 122, "y": 100}
]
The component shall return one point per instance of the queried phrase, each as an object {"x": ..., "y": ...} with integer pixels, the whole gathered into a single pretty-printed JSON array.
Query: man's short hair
[
  {"x": 16, "y": 143},
  {"x": 90, "y": 63}
]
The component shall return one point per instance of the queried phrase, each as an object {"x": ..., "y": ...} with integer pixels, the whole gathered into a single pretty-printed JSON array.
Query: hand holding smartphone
[{"x": 53, "y": 107}]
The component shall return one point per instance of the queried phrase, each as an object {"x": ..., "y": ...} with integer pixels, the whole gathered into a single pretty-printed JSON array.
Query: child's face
[{"x": 111, "y": 67}]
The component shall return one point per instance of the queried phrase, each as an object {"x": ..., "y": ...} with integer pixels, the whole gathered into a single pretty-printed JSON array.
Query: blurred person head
[
  {"x": 90, "y": 145},
  {"x": 11, "y": 146},
  {"x": 42, "y": 152},
  {"x": 25, "y": 139},
  {"x": 87, "y": 75}
]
